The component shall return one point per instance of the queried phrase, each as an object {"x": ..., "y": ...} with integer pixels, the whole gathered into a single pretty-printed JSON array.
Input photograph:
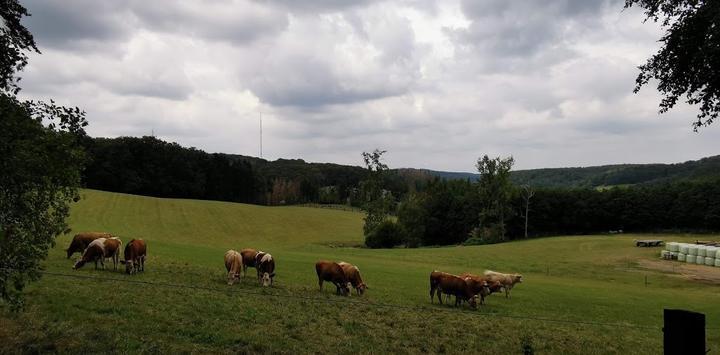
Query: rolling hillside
[
  {"x": 580, "y": 294},
  {"x": 607, "y": 175}
]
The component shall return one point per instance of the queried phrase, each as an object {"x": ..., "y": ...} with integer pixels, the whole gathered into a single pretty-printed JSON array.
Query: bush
[
  {"x": 487, "y": 235},
  {"x": 386, "y": 235}
]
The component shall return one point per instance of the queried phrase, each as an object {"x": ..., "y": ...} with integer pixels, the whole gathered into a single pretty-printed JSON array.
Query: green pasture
[{"x": 585, "y": 294}]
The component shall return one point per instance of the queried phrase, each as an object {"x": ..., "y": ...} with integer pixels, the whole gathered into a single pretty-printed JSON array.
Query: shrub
[{"x": 387, "y": 234}]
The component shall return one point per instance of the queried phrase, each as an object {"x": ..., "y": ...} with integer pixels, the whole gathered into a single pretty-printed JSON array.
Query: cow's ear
[{"x": 272, "y": 275}]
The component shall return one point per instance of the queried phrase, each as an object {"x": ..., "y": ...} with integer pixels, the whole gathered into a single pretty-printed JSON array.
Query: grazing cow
[
  {"x": 98, "y": 250},
  {"x": 265, "y": 265},
  {"x": 233, "y": 264},
  {"x": 453, "y": 285},
  {"x": 81, "y": 241},
  {"x": 134, "y": 254},
  {"x": 508, "y": 281},
  {"x": 112, "y": 250},
  {"x": 248, "y": 259},
  {"x": 353, "y": 275},
  {"x": 478, "y": 284},
  {"x": 331, "y": 271}
]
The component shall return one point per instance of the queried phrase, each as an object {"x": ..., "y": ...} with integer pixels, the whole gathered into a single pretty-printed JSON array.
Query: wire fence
[{"x": 345, "y": 301}]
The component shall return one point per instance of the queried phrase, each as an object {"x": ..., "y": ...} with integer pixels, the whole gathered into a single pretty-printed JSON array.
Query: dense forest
[
  {"x": 429, "y": 210},
  {"x": 152, "y": 167},
  {"x": 606, "y": 175}
]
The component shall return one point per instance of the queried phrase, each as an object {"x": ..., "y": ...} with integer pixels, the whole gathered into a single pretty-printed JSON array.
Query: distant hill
[{"x": 606, "y": 175}]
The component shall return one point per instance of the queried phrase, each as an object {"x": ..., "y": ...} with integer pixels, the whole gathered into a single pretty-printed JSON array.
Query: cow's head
[
  {"x": 129, "y": 266},
  {"x": 361, "y": 288},
  {"x": 517, "y": 278},
  {"x": 267, "y": 278},
  {"x": 473, "y": 301},
  {"x": 79, "y": 264}
]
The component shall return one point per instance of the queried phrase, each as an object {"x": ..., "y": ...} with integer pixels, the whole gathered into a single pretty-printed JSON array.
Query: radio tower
[{"x": 261, "y": 155}]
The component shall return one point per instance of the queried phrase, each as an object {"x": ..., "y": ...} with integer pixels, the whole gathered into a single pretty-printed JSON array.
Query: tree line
[
  {"x": 152, "y": 167},
  {"x": 492, "y": 209}
]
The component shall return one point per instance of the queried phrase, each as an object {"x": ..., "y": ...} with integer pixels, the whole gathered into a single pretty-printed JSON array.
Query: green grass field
[{"x": 573, "y": 281}]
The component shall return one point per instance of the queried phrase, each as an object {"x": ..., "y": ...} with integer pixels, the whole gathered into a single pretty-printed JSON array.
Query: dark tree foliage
[
  {"x": 40, "y": 162},
  {"x": 688, "y": 64},
  {"x": 443, "y": 213},
  {"x": 387, "y": 234},
  {"x": 40, "y": 166},
  {"x": 15, "y": 41},
  {"x": 152, "y": 167}
]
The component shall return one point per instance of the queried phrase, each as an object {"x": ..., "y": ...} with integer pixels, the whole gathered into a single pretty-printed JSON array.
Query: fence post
[{"x": 684, "y": 332}]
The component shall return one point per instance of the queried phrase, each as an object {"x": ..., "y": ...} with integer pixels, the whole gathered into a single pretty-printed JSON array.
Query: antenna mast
[{"x": 261, "y": 154}]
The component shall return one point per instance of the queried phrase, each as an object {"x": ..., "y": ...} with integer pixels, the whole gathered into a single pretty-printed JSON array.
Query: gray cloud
[
  {"x": 527, "y": 34},
  {"x": 73, "y": 23}
]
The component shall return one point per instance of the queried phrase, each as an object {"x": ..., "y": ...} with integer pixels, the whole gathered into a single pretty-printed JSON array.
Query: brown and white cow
[
  {"x": 353, "y": 274},
  {"x": 233, "y": 264},
  {"x": 135, "y": 252},
  {"x": 478, "y": 284},
  {"x": 98, "y": 250},
  {"x": 332, "y": 272},
  {"x": 265, "y": 265},
  {"x": 453, "y": 285},
  {"x": 81, "y": 241},
  {"x": 508, "y": 281},
  {"x": 248, "y": 259}
]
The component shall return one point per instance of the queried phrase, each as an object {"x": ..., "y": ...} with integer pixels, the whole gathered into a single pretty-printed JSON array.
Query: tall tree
[
  {"x": 40, "y": 163},
  {"x": 376, "y": 201},
  {"x": 495, "y": 190},
  {"x": 527, "y": 193},
  {"x": 688, "y": 63}
]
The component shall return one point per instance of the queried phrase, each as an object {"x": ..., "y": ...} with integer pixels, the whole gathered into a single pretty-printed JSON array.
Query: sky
[{"x": 436, "y": 84}]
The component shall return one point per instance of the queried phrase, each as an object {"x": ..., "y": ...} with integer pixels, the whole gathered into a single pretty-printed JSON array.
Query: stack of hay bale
[{"x": 692, "y": 253}]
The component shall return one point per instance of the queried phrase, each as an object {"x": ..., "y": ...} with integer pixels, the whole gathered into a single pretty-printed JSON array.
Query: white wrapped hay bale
[
  {"x": 709, "y": 261},
  {"x": 693, "y": 250},
  {"x": 711, "y": 252},
  {"x": 672, "y": 246},
  {"x": 717, "y": 262},
  {"x": 701, "y": 250},
  {"x": 664, "y": 254},
  {"x": 681, "y": 257},
  {"x": 700, "y": 260},
  {"x": 684, "y": 248},
  {"x": 690, "y": 258}
]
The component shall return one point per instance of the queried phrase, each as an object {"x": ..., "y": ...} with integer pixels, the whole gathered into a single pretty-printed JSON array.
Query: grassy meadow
[{"x": 575, "y": 281}]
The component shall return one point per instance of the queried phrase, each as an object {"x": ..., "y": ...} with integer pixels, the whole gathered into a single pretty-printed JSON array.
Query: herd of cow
[
  {"x": 98, "y": 246},
  {"x": 467, "y": 287}
]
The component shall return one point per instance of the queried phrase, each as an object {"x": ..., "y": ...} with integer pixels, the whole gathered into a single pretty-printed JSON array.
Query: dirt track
[{"x": 701, "y": 273}]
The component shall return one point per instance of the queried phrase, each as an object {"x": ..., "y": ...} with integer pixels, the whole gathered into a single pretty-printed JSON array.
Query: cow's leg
[
  {"x": 432, "y": 294},
  {"x": 320, "y": 282}
]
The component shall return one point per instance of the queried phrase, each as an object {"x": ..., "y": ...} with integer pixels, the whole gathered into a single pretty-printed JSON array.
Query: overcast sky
[{"x": 436, "y": 83}]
